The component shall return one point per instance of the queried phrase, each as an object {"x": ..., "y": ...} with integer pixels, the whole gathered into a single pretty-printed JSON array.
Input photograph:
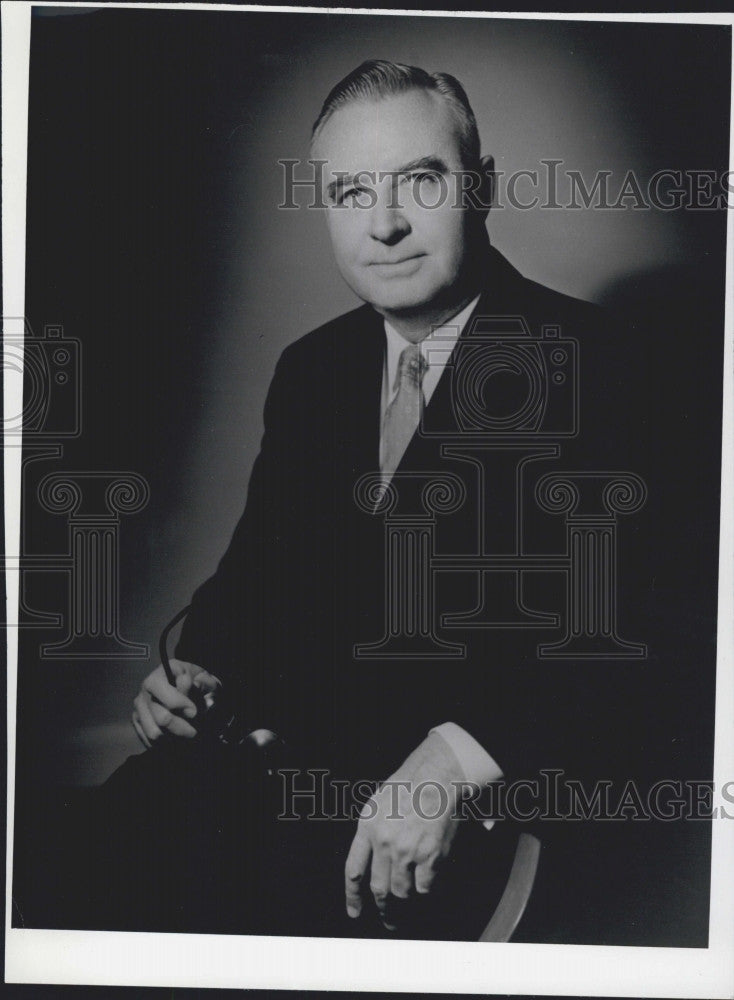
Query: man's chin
[{"x": 398, "y": 297}]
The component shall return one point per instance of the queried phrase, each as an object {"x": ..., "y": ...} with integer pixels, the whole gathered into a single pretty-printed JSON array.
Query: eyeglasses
[{"x": 217, "y": 719}]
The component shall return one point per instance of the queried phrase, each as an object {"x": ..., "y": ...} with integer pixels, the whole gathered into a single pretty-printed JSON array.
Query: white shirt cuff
[{"x": 478, "y": 766}]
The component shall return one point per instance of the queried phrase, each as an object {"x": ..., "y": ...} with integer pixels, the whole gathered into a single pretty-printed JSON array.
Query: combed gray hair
[{"x": 378, "y": 78}]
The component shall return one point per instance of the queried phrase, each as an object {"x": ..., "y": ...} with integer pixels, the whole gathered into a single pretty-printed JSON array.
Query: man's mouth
[{"x": 403, "y": 262}]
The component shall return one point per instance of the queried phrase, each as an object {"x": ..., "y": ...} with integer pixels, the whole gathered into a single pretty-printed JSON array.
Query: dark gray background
[{"x": 154, "y": 237}]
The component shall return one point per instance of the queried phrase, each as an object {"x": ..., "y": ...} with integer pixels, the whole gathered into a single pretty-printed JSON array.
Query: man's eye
[
  {"x": 350, "y": 196},
  {"x": 425, "y": 177}
]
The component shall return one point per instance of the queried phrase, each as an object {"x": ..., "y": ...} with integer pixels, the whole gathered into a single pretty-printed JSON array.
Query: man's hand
[
  {"x": 406, "y": 829},
  {"x": 161, "y": 709}
]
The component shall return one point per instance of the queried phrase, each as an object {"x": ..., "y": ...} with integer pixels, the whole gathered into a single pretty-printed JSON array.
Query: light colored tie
[{"x": 403, "y": 415}]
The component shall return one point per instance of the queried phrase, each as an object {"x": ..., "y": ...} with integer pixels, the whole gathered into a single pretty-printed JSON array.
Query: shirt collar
[{"x": 436, "y": 348}]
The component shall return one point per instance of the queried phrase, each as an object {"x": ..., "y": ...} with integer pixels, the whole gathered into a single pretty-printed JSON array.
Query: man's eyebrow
[
  {"x": 434, "y": 163},
  {"x": 343, "y": 180}
]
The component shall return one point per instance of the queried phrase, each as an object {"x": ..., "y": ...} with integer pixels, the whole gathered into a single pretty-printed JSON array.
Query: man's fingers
[
  {"x": 162, "y": 708},
  {"x": 171, "y": 723},
  {"x": 380, "y": 881},
  {"x": 150, "y": 726},
  {"x": 206, "y": 682},
  {"x": 156, "y": 684},
  {"x": 180, "y": 668},
  {"x": 184, "y": 682},
  {"x": 355, "y": 871},
  {"x": 401, "y": 879},
  {"x": 188, "y": 675},
  {"x": 424, "y": 875},
  {"x": 139, "y": 730}
]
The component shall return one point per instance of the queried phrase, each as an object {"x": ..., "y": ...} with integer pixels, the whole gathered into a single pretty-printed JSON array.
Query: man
[{"x": 282, "y": 628}]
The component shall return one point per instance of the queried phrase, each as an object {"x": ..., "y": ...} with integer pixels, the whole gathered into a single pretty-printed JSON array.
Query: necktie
[{"x": 403, "y": 415}]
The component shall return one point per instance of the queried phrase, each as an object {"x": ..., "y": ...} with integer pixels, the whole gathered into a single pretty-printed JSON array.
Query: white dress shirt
[{"x": 436, "y": 348}]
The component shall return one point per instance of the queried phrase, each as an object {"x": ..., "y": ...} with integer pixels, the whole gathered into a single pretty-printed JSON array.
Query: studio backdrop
[{"x": 170, "y": 259}]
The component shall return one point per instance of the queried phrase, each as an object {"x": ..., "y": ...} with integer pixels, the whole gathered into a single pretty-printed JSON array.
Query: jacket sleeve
[
  {"x": 232, "y": 626},
  {"x": 625, "y": 718}
]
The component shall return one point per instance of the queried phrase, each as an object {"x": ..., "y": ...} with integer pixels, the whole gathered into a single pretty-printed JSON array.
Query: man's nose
[{"x": 388, "y": 224}]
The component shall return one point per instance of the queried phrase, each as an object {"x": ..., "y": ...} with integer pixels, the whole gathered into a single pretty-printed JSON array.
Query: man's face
[{"x": 393, "y": 248}]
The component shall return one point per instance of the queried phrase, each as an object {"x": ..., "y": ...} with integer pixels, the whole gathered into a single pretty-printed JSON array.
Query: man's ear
[{"x": 487, "y": 183}]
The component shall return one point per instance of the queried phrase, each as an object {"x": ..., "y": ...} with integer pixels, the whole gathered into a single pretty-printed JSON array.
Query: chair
[{"x": 517, "y": 891}]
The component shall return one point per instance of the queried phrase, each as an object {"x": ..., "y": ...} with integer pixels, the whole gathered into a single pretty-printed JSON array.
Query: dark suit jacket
[{"x": 303, "y": 580}]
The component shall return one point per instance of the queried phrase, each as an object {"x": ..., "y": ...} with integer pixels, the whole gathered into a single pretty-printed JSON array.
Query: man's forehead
[{"x": 387, "y": 133}]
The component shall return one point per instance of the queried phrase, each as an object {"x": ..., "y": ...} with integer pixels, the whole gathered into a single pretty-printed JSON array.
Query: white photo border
[{"x": 169, "y": 960}]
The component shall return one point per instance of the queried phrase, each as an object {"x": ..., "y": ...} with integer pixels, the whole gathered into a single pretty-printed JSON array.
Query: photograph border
[{"x": 192, "y": 960}]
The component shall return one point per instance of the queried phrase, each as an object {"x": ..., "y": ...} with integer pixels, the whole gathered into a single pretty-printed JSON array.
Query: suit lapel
[
  {"x": 439, "y": 417},
  {"x": 357, "y": 386},
  {"x": 358, "y": 368}
]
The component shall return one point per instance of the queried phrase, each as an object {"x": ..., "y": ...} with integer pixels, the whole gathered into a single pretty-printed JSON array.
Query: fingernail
[
  {"x": 389, "y": 927},
  {"x": 352, "y": 911},
  {"x": 190, "y": 712}
]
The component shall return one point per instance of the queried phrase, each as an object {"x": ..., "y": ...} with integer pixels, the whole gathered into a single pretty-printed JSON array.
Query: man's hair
[{"x": 379, "y": 78}]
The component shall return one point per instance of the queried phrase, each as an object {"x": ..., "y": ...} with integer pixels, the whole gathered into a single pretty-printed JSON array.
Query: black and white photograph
[{"x": 368, "y": 556}]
